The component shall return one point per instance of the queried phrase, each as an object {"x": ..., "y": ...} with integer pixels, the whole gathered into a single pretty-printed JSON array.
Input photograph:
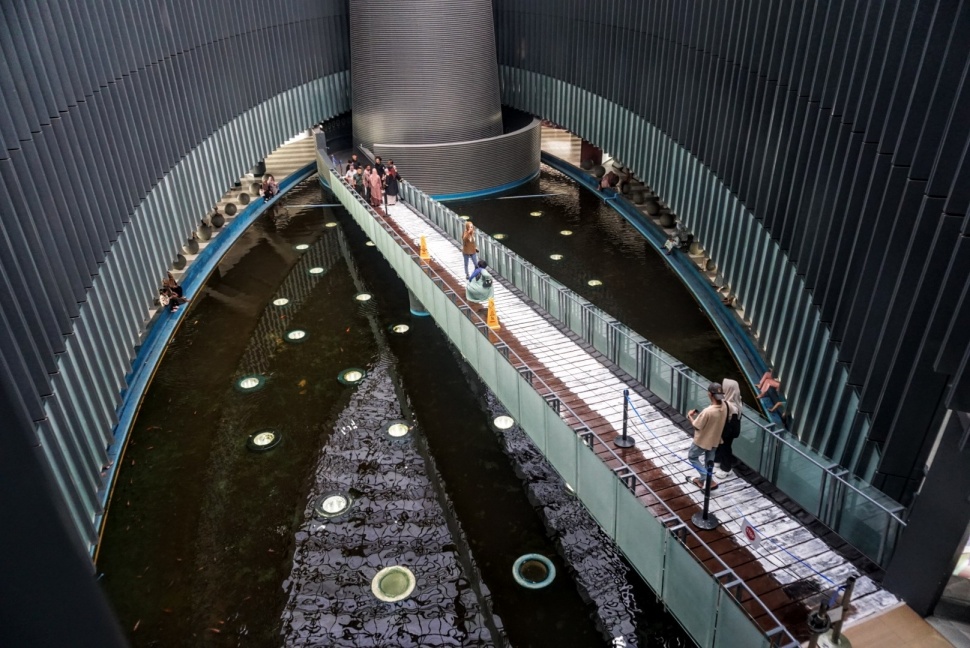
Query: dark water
[
  {"x": 200, "y": 533},
  {"x": 638, "y": 288}
]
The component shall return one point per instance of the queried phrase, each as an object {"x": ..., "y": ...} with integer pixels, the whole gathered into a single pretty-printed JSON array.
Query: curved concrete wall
[
  {"x": 123, "y": 128},
  {"x": 816, "y": 149},
  {"x": 444, "y": 170},
  {"x": 424, "y": 71}
]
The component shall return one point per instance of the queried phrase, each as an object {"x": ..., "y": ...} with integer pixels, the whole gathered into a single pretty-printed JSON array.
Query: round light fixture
[
  {"x": 263, "y": 440},
  {"x": 370, "y": 244},
  {"x": 399, "y": 329},
  {"x": 296, "y": 335},
  {"x": 397, "y": 430},
  {"x": 465, "y": 217},
  {"x": 351, "y": 376},
  {"x": 393, "y": 584},
  {"x": 302, "y": 246},
  {"x": 566, "y": 232},
  {"x": 555, "y": 257},
  {"x": 503, "y": 422},
  {"x": 332, "y": 504},
  {"x": 315, "y": 270},
  {"x": 250, "y": 383},
  {"x": 363, "y": 297},
  {"x": 500, "y": 236},
  {"x": 281, "y": 301},
  {"x": 330, "y": 224},
  {"x": 535, "y": 213},
  {"x": 594, "y": 282},
  {"x": 533, "y": 571}
]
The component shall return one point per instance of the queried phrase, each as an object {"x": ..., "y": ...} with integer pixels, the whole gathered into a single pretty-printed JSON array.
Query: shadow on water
[{"x": 638, "y": 288}]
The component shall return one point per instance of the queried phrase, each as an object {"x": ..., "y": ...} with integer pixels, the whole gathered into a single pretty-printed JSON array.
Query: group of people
[
  {"x": 170, "y": 295},
  {"x": 715, "y": 429},
  {"x": 373, "y": 183}
]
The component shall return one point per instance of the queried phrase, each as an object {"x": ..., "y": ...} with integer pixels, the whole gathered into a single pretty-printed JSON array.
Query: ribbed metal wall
[
  {"x": 464, "y": 167},
  {"x": 424, "y": 71},
  {"x": 123, "y": 123},
  {"x": 817, "y": 148}
]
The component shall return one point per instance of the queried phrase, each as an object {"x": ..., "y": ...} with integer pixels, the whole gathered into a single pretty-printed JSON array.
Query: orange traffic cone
[
  {"x": 424, "y": 250},
  {"x": 492, "y": 318}
]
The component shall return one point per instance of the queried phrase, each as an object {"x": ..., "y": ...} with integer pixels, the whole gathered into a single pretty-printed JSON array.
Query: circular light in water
[
  {"x": 397, "y": 430},
  {"x": 393, "y": 584},
  {"x": 500, "y": 236},
  {"x": 535, "y": 213},
  {"x": 296, "y": 335},
  {"x": 250, "y": 383},
  {"x": 566, "y": 232},
  {"x": 370, "y": 244},
  {"x": 555, "y": 257},
  {"x": 400, "y": 329},
  {"x": 263, "y": 440},
  {"x": 316, "y": 270},
  {"x": 465, "y": 217},
  {"x": 302, "y": 246},
  {"x": 503, "y": 422},
  {"x": 594, "y": 282},
  {"x": 533, "y": 571},
  {"x": 351, "y": 376},
  {"x": 332, "y": 504},
  {"x": 281, "y": 301},
  {"x": 363, "y": 297},
  {"x": 330, "y": 224}
]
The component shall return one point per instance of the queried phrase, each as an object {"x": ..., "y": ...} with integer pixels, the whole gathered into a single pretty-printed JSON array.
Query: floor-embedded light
[
  {"x": 397, "y": 430},
  {"x": 316, "y": 270},
  {"x": 281, "y": 301},
  {"x": 332, "y": 504},
  {"x": 351, "y": 376},
  {"x": 296, "y": 335},
  {"x": 302, "y": 246},
  {"x": 566, "y": 232},
  {"x": 330, "y": 224},
  {"x": 465, "y": 217},
  {"x": 503, "y": 422},
  {"x": 263, "y": 440},
  {"x": 533, "y": 571},
  {"x": 393, "y": 584},
  {"x": 594, "y": 282},
  {"x": 370, "y": 244},
  {"x": 500, "y": 236},
  {"x": 363, "y": 297},
  {"x": 399, "y": 329},
  {"x": 555, "y": 257},
  {"x": 535, "y": 213},
  {"x": 250, "y": 383}
]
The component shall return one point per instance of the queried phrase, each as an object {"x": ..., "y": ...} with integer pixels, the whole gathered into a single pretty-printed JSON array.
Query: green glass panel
[
  {"x": 690, "y": 593},
  {"x": 641, "y": 537},
  {"x": 799, "y": 478},
  {"x": 561, "y": 444},
  {"x": 486, "y": 360},
  {"x": 596, "y": 487},
  {"x": 507, "y": 386},
  {"x": 734, "y": 626},
  {"x": 531, "y": 413}
]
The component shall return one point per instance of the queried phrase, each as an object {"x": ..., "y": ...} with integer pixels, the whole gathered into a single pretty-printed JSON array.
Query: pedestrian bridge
[{"x": 560, "y": 367}]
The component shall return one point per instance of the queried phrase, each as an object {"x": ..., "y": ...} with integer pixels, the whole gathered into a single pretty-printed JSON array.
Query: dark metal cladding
[{"x": 423, "y": 71}]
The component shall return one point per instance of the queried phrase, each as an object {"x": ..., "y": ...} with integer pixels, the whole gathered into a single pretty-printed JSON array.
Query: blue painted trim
[
  {"x": 471, "y": 195},
  {"x": 740, "y": 344},
  {"x": 158, "y": 337}
]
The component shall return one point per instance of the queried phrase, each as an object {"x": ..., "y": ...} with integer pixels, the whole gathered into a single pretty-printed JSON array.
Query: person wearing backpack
[
  {"x": 724, "y": 456},
  {"x": 479, "y": 287}
]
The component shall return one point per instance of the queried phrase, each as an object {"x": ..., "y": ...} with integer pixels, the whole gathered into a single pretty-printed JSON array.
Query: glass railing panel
[
  {"x": 596, "y": 487},
  {"x": 690, "y": 592},
  {"x": 642, "y": 537},
  {"x": 798, "y": 477},
  {"x": 734, "y": 626},
  {"x": 626, "y": 355},
  {"x": 869, "y": 527},
  {"x": 507, "y": 385},
  {"x": 598, "y": 331},
  {"x": 660, "y": 375},
  {"x": 749, "y": 447},
  {"x": 531, "y": 414},
  {"x": 486, "y": 358},
  {"x": 561, "y": 447}
]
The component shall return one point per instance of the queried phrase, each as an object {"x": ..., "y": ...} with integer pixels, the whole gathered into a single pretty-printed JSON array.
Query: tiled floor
[
  {"x": 899, "y": 628},
  {"x": 788, "y": 553}
]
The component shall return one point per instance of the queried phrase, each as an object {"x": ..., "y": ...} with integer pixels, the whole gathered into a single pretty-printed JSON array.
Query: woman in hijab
[{"x": 375, "y": 189}]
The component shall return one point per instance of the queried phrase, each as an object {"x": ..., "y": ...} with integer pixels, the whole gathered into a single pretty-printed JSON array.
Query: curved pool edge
[{"x": 160, "y": 334}]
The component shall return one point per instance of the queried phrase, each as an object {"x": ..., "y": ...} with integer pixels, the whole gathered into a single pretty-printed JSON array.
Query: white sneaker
[{"x": 722, "y": 474}]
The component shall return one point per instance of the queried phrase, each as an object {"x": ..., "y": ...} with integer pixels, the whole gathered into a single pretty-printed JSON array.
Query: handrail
[
  {"x": 671, "y": 519},
  {"x": 449, "y": 222}
]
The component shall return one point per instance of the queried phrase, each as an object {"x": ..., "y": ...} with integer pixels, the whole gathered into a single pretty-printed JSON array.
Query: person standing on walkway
[
  {"x": 708, "y": 426},
  {"x": 379, "y": 167},
  {"x": 724, "y": 455},
  {"x": 479, "y": 287},
  {"x": 375, "y": 190},
  {"x": 391, "y": 187},
  {"x": 469, "y": 248}
]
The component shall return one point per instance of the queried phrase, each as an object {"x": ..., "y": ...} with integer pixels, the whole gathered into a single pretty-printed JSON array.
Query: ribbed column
[{"x": 423, "y": 71}]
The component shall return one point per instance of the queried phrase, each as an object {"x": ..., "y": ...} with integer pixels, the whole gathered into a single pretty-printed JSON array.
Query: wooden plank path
[{"x": 790, "y": 572}]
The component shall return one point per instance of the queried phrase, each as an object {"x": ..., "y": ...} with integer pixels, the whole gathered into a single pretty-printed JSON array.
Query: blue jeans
[
  {"x": 474, "y": 259},
  {"x": 695, "y": 452}
]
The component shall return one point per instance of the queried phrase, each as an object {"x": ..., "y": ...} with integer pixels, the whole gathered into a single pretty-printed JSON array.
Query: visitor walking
[
  {"x": 375, "y": 189},
  {"x": 391, "y": 187},
  {"x": 469, "y": 248},
  {"x": 708, "y": 425},
  {"x": 379, "y": 167},
  {"x": 724, "y": 455},
  {"x": 479, "y": 287}
]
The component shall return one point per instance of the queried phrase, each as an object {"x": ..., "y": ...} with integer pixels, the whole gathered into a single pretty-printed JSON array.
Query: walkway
[{"x": 790, "y": 572}]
